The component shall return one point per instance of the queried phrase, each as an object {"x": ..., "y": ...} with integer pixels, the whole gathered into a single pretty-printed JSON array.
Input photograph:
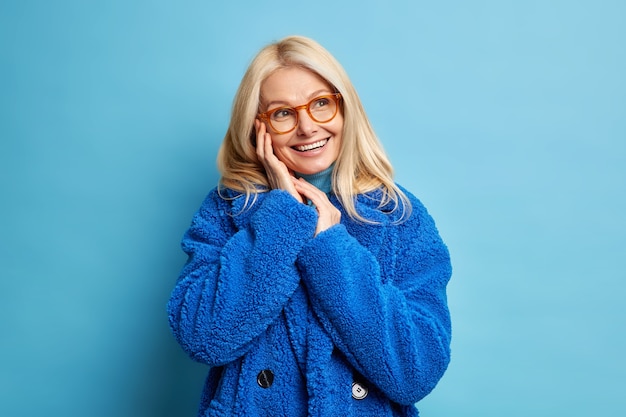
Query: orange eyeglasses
[{"x": 321, "y": 109}]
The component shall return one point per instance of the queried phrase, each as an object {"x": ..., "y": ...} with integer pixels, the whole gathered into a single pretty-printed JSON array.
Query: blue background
[{"x": 507, "y": 118}]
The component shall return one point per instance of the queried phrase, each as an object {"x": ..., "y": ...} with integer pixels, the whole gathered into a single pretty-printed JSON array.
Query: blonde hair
[{"x": 362, "y": 165}]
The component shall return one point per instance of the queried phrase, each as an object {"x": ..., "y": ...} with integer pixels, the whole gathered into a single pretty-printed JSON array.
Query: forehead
[{"x": 291, "y": 85}]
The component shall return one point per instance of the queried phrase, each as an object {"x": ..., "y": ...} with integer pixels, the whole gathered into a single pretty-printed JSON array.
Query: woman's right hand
[{"x": 278, "y": 175}]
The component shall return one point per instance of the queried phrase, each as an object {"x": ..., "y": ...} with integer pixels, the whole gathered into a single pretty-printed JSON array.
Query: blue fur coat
[{"x": 352, "y": 322}]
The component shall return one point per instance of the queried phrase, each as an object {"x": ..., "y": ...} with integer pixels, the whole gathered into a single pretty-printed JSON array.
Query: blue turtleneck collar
[{"x": 323, "y": 180}]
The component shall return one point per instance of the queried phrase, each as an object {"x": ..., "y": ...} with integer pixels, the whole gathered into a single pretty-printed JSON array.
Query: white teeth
[{"x": 315, "y": 145}]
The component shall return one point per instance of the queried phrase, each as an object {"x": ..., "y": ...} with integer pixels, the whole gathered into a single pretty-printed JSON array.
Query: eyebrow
[{"x": 316, "y": 93}]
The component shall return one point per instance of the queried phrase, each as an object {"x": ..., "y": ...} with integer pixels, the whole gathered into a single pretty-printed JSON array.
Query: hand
[
  {"x": 328, "y": 215},
  {"x": 277, "y": 172}
]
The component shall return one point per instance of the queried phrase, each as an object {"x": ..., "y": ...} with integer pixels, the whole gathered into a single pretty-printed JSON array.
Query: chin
[{"x": 312, "y": 169}]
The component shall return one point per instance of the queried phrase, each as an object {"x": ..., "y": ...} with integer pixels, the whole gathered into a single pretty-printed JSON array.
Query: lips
[{"x": 311, "y": 146}]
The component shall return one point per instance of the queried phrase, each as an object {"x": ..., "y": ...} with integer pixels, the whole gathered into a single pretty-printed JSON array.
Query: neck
[{"x": 323, "y": 180}]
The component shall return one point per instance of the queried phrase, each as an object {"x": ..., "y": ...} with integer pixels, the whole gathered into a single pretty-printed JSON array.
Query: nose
[{"x": 306, "y": 125}]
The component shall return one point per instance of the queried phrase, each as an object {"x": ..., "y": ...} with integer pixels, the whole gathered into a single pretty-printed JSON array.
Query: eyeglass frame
[{"x": 266, "y": 115}]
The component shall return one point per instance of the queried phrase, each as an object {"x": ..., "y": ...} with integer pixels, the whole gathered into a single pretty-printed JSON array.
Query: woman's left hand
[{"x": 328, "y": 215}]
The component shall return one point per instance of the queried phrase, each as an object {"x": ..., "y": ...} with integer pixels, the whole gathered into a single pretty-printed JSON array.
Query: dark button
[
  {"x": 265, "y": 379},
  {"x": 359, "y": 391}
]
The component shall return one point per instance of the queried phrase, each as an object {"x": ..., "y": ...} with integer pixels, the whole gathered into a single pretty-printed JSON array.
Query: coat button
[
  {"x": 359, "y": 391},
  {"x": 265, "y": 378}
]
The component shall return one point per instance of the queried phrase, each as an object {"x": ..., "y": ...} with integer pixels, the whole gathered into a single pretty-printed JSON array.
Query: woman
[{"x": 315, "y": 285}]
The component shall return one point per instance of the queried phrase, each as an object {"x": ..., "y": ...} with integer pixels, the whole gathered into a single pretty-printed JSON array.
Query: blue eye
[
  {"x": 321, "y": 102},
  {"x": 282, "y": 113}
]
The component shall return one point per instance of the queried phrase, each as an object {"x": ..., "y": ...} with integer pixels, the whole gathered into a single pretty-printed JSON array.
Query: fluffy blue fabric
[{"x": 360, "y": 302}]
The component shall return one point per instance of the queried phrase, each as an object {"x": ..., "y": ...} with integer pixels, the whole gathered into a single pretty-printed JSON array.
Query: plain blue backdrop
[{"x": 507, "y": 118}]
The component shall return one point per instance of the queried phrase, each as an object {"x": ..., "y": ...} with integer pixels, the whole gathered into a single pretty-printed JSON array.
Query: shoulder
[
  {"x": 218, "y": 210},
  {"x": 416, "y": 206},
  {"x": 398, "y": 207},
  {"x": 419, "y": 215},
  {"x": 222, "y": 200}
]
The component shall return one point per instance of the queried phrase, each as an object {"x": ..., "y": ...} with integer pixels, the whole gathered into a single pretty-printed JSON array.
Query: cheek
[
  {"x": 337, "y": 130},
  {"x": 278, "y": 141},
  {"x": 279, "y": 145},
  {"x": 338, "y": 125}
]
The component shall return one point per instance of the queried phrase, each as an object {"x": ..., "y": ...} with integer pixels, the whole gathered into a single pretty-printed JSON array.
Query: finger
[
  {"x": 328, "y": 214},
  {"x": 269, "y": 148},
  {"x": 305, "y": 186},
  {"x": 260, "y": 139},
  {"x": 265, "y": 148},
  {"x": 271, "y": 161},
  {"x": 311, "y": 192}
]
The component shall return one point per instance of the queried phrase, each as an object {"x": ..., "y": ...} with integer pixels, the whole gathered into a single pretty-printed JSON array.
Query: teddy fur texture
[{"x": 360, "y": 302}]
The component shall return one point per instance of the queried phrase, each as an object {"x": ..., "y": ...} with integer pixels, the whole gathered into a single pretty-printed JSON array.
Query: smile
[{"x": 315, "y": 145}]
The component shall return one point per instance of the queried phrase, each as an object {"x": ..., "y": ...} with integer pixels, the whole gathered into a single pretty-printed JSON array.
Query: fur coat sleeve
[{"x": 240, "y": 273}]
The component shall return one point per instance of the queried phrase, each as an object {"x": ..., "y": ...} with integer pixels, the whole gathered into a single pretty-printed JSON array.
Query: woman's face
[{"x": 311, "y": 147}]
